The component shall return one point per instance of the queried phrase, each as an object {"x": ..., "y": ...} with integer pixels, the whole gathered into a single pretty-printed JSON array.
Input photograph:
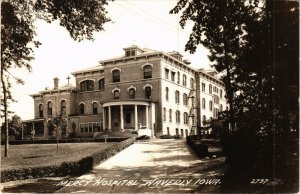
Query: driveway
[{"x": 154, "y": 166}]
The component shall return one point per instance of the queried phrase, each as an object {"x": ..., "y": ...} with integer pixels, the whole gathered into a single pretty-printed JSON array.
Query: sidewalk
[{"x": 155, "y": 166}]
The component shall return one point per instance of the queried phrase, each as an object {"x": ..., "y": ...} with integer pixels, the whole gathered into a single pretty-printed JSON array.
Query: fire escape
[{"x": 192, "y": 110}]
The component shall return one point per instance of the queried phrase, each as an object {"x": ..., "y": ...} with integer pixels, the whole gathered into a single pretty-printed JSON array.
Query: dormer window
[{"x": 130, "y": 53}]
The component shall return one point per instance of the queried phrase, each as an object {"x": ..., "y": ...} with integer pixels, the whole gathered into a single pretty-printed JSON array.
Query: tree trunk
[{"x": 5, "y": 110}]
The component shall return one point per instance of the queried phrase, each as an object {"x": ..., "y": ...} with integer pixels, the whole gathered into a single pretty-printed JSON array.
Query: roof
[
  {"x": 89, "y": 69},
  {"x": 60, "y": 89}
]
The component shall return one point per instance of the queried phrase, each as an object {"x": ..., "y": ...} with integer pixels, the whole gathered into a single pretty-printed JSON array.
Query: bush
[
  {"x": 66, "y": 168},
  {"x": 143, "y": 137},
  {"x": 199, "y": 148}
]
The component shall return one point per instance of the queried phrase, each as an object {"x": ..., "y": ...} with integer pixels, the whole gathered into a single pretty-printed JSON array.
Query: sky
[{"x": 145, "y": 23}]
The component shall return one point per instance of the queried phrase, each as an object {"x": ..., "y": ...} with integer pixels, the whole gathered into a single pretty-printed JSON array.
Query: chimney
[{"x": 56, "y": 80}]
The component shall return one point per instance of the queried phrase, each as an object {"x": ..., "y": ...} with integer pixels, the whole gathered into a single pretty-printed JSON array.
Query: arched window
[
  {"x": 101, "y": 84},
  {"x": 49, "y": 108},
  {"x": 203, "y": 103},
  {"x": 185, "y": 118},
  {"x": 192, "y": 83},
  {"x": 203, "y": 87},
  {"x": 148, "y": 92},
  {"x": 210, "y": 105},
  {"x": 204, "y": 119},
  {"x": 81, "y": 108},
  {"x": 185, "y": 99},
  {"x": 95, "y": 107},
  {"x": 177, "y": 116},
  {"x": 116, "y": 94},
  {"x": 147, "y": 72},
  {"x": 132, "y": 93},
  {"x": 41, "y": 110},
  {"x": 177, "y": 97},
  {"x": 184, "y": 79},
  {"x": 63, "y": 106},
  {"x": 87, "y": 85},
  {"x": 170, "y": 115},
  {"x": 178, "y": 77},
  {"x": 210, "y": 89},
  {"x": 167, "y": 93},
  {"x": 116, "y": 75},
  {"x": 165, "y": 114}
]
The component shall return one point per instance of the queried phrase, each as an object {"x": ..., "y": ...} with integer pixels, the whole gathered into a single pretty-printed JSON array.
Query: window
[
  {"x": 185, "y": 118},
  {"x": 192, "y": 83},
  {"x": 147, "y": 72},
  {"x": 216, "y": 99},
  {"x": 181, "y": 132},
  {"x": 87, "y": 85},
  {"x": 81, "y": 108},
  {"x": 127, "y": 53},
  {"x": 173, "y": 76},
  {"x": 177, "y": 132},
  {"x": 164, "y": 114},
  {"x": 132, "y": 93},
  {"x": 177, "y": 97},
  {"x": 221, "y": 107},
  {"x": 170, "y": 115},
  {"x": 168, "y": 130},
  {"x": 101, "y": 84},
  {"x": 210, "y": 89},
  {"x": 167, "y": 93},
  {"x": 184, "y": 80},
  {"x": 49, "y": 108},
  {"x": 63, "y": 106},
  {"x": 41, "y": 110},
  {"x": 177, "y": 116},
  {"x": 204, "y": 120},
  {"x": 216, "y": 111},
  {"x": 148, "y": 92},
  {"x": 178, "y": 77},
  {"x": 116, "y": 75},
  {"x": 116, "y": 94},
  {"x": 166, "y": 73},
  {"x": 210, "y": 105},
  {"x": 203, "y": 87},
  {"x": 203, "y": 103},
  {"x": 132, "y": 52},
  {"x": 221, "y": 93},
  {"x": 95, "y": 107},
  {"x": 185, "y": 99}
]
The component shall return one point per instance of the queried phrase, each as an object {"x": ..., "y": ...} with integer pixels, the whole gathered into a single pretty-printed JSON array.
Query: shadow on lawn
[{"x": 42, "y": 185}]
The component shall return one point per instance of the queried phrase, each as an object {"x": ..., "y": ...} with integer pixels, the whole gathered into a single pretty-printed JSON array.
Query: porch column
[
  {"x": 147, "y": 119},
  {"x": 121, "y": 118},
  {"x": 109, "y": 118},
  {"x": 135, "y": 118},
  {"x": 104, "y": 119}
]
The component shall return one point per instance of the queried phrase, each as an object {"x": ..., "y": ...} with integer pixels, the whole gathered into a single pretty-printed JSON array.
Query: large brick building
[{"x": 143, "y": 88}]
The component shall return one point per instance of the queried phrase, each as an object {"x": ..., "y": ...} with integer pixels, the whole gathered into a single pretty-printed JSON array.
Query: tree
[
  {"x": 80, "y": 17},
  {"x": 219, "y": 26},
  {"x": 14, "y": 126},
  {"x": 246, "y": 41},
  {"x": 58, "y": 127}
]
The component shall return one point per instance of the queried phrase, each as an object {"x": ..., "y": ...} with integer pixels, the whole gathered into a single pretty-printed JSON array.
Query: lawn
[{"x": 28, "y": 155}]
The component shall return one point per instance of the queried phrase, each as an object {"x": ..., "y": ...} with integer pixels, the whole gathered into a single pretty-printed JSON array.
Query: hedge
[
  {"x": 71, "y": 140},
  {"x": 66, "y": 168},
  {"x": 199, "y": 148}
]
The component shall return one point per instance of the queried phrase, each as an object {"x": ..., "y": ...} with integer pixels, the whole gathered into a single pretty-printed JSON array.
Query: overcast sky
[{"x": 146, "y": 23}]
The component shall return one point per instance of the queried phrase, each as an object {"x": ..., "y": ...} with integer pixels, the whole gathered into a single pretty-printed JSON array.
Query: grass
[{"x": 29, "y": 155}]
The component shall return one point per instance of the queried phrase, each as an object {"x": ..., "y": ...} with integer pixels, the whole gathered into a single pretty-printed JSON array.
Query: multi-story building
[{"x": 143, "y": 88}]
